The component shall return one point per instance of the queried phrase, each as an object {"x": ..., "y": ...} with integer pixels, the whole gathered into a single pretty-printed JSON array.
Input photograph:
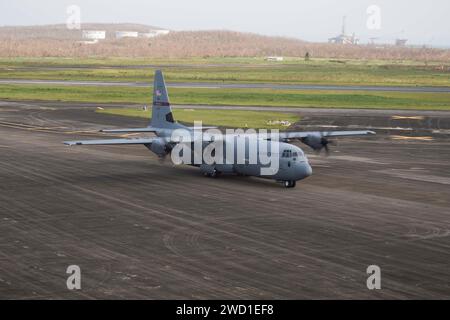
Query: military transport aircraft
[{"x": 291, "y": 163}]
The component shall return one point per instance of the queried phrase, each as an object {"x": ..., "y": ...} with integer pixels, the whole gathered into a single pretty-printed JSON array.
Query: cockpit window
[{"x": 287, "y": 154}]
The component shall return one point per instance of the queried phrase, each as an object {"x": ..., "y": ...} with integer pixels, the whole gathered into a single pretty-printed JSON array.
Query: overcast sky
[{"x": 423, "y": 22}]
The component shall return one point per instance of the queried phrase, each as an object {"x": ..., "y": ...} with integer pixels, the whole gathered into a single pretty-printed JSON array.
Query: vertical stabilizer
[{"x": 162, "y": 116}]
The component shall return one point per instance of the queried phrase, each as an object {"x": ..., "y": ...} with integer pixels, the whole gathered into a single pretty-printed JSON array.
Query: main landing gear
[
  {"x": 212, "y": 174},
  {"x": 289, "y": 184}
]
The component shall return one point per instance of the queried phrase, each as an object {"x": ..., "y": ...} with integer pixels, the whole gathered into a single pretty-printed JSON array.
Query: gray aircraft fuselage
[{"x": 292, "y": 163}]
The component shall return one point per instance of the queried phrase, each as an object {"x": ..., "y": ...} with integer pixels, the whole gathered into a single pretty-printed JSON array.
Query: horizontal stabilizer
[
  {"x": 147, "y": 129},
  {"x": 201, "y": 128},
  {"x": 109, "y": 142}
]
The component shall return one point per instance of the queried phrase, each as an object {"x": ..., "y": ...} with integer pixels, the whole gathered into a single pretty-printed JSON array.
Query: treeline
[{"x": 207, "y": 44}]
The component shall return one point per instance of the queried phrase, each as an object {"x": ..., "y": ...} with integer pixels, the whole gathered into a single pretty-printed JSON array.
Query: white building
[
  {"x": 93, "y": 35},
  {"x": 126, "y": 34},
  {"x": 154, "y": 33}
]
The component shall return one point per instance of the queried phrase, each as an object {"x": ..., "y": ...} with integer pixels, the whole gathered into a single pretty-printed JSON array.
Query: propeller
[
  {"x": 318, "y": 142},
  {"x": 324, "y": 142},
  {"x": 160, "y": 148},
  {"x": 167, "y": 154},
  {"x": 162, "y": 158}
]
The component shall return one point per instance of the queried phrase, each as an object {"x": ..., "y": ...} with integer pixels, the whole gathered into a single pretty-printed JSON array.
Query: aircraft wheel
[
  {"x": 213, "y": 174},
  {"x": 289, "y": 184}
]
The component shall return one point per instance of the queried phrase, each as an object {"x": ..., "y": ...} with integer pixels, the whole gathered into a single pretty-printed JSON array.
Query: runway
[
  {"x": 220, "y": 85},
  {"x": 141, "y": 229}
]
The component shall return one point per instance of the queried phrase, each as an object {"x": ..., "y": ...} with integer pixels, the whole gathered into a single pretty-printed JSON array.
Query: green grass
[
  {"x": 234, "y": 70},
  {"x": 222, "y": 118},
  {"x": 242, "y": 97},
  {"x": 114, "y": 61}
]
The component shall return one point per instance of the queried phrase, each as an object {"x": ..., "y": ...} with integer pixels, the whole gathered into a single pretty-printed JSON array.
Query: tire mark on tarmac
[
  {"x": 183, "y": 212},
  {"x": 185, "y": 221}
]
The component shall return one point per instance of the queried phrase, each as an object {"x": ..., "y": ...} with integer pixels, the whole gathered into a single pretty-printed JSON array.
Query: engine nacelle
[
  {"x": 315, "y": 141},
  {"x": 159, "y": 147}
]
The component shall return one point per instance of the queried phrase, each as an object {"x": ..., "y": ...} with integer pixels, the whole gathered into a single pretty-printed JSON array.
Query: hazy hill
[{"x": 58, "y": 41}]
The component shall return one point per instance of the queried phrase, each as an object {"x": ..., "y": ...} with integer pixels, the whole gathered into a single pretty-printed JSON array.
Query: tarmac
[{"x": 142, "y": 229}]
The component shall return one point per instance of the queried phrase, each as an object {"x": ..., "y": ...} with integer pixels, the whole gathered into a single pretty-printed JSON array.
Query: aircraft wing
[
  {"x": 317, "y": 140},
  {"x": 305, "y": 134},
  {"x": 110, "y": 142}
]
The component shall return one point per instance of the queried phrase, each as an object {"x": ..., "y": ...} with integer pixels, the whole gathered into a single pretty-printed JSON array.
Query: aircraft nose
[
  {"x": 308, "y": 170},
  {"x": 304, "y": 171}
]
